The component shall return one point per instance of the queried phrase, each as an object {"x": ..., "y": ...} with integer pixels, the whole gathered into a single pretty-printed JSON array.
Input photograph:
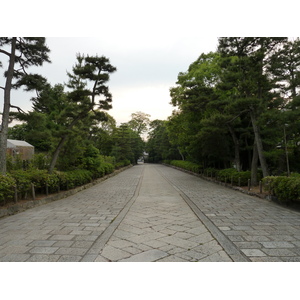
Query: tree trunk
[
  {"x": 259, "y": 145},
  {"x": 237, "y": 160},
  {"x": 62, "y": 142},
  {"x": 254, "y": 181},
  {"x": 182, "y": 157},
  {"x": 56, "y": 153},
  {"x": 6, "y": 108}
]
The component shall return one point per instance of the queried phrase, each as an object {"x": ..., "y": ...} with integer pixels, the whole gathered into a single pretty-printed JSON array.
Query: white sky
[
  {"x": 149, "y": 42},
  {"x": 146, "y": 68}
]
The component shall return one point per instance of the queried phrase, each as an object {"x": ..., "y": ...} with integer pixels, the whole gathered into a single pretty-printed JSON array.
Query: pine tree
[{"x": 23, "y": 52}]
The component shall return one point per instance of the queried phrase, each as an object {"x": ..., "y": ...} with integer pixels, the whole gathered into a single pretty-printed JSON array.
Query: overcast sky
[
  {"x": 148, "y": 42},
  {"x": 145, "y": 70}
]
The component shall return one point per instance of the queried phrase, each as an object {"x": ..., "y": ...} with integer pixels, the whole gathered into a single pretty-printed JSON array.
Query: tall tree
[
  {"x": 158, "y": 145},
  {"x": 128, "y": 145},
  {"x": 139, "y": 122},
  {"x": 22, "y": 53},
  {"x": 86, "y": 102},
  {"x": 249, "y": 59}
]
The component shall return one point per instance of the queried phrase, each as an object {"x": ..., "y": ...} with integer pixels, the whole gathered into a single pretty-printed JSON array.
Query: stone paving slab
[
  {"x": 153, "y": 213},
  {"x": 159, "y": 225},
  {"x": 261, "y": 229},
  {"x": 66, "y": 229}
]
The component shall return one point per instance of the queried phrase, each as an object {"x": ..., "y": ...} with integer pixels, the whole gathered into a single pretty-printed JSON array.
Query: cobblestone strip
[
  {"x": 262, "y": 230},
  {"x": 161, "y": 227},
  {"x": 235, "y": 254},
  {"x": 98, "y": 245}
]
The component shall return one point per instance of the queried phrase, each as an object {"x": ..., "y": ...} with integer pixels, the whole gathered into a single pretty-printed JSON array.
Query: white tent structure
[{"x": 22, "y": 148}]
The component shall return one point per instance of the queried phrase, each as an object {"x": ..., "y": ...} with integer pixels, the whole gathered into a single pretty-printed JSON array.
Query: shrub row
[
  {"x": 186, "y": 165},
  {"x": 232, "y": 175},
  {"x": 285, "y": 189},
  {"x": 7, "y": 184},
  {"x": 45, "y": 182},
  {"x": 225, "y": 175}
]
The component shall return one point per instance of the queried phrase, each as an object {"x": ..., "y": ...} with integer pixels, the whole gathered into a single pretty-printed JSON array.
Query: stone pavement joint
[
  {"x": 228, "y": 246},
  {"x": 153, "y": 213},
  {"x": 105, "y": 236}
]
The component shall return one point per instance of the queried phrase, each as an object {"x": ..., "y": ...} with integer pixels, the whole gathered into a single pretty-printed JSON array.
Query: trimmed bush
[
  {"x": 232, "y": 174},
  {"x": 122, "y": 163},
  {"x": 186, "y": 165},
  {"x": 7, "y": 184},
  {"x": 210, "y": 172},
  {"x": 40, "y": 178},
  {"x": 75, "y": 178},
  {"x": 286, "y": 189}
]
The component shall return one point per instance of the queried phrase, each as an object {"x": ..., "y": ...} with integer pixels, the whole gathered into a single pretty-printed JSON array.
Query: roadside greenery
[
  {"x": 20, "y": 182},
  {"x": 236, "y": 117},
  {"x": 237, "y": 114},
  {"x": 285, "y": 189}
]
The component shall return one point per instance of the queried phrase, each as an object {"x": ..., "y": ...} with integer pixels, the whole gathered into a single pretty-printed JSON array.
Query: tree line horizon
[{"x": 237, "y": 107}]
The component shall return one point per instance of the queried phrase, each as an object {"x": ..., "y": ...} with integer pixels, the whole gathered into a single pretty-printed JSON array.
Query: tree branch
[
  {"x": 5, "y": 52},
  {"x": 18, "y": 108},
  {"x": 246, "y": 110}
]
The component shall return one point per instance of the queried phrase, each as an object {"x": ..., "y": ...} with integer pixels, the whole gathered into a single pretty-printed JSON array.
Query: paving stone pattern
[
  {"x": 261, "y": 229},
  {"x": 66, "y": 229},
  {"x": 153, "y": 213},
  {"x": 160, "y": 226}
]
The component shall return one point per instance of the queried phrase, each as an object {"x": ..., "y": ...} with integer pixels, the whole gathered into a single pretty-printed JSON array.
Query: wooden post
[
  {"x": 260, "y": 187},
  {"x": 249, "y": 184},
  {"x": 231, "y": 181},
  {"x": 239, "y": 181},
  {"x": 16, "y": 194},
  {"x": 33, "y": 191},
  {"x": 47, "y": 189}
]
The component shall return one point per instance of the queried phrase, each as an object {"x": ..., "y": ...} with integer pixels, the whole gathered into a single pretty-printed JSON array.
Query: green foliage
[
  {"x": 286, "y": 189},
  {"x": 22, "y": 179},
  {"x": 40, "y": 178},
  {"x": 128, "y": 145},
  {"x": 40, "y": 161},
  {"x": 72, "y": 179},
  {"x": 7, "y": 184},
  {"x": 210, "y": 172},
  {"x": 186, "y": 165},
  {"x": 159, "y": 146},
  {"x": 13, "y": 163},
  {"x": 123, "y": 163},
  {"x": 233, "y": 175}
]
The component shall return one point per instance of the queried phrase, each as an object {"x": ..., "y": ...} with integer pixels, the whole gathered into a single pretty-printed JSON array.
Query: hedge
[
  {"x": 285, "y": 189},
  {"x": 237, "y": 178},
  {"x": 46, "y": 183},
  {"x": 187, "y": 165},
  {"x": 7, "y": 188},
  {"x": 225, "y": 175},
  {"x": 40, "y": 178}
]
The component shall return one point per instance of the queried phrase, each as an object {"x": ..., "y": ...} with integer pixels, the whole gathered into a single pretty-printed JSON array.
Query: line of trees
[
  {"x": 68, "y": 122},
  {"x": 236, "y": 107}
]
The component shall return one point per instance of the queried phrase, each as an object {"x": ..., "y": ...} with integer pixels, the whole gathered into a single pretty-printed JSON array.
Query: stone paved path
[
  {"x": 153, "y": 213},
  {"x": 258, "y": 228}
]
